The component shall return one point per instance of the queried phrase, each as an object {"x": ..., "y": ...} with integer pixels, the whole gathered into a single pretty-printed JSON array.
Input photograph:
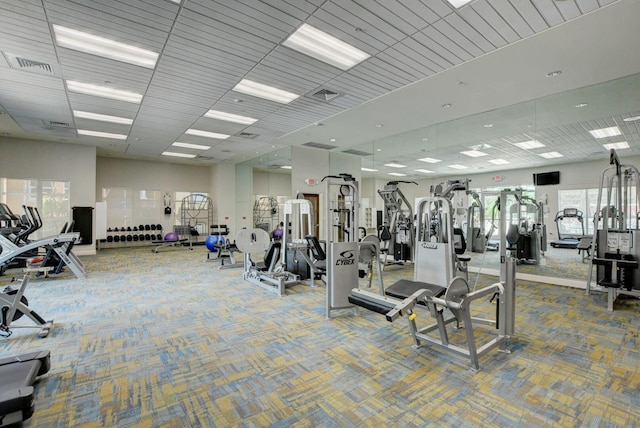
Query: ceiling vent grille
[
  {"x": 319, "y": 145},
  {"x": 247, "y": 135},
  {"x": 204, "y": 157},
  {"x": 56, "y": 124},
  {"x": 30, "y": 65},
  {"x": 325, "y": 95},
  {"x": 356, "y": 152}
]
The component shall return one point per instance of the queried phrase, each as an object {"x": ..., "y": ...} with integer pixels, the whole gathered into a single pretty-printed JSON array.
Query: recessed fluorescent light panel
[
  {"x": 551, "y": 155},
  {"x": 324, "y": 47},
  {"x": 499, "y": 161},
  {"x": 286, "y": 167},
  {"x": 398, "y": 174},
  {"x": 190, "y": 146},
  {"x": 480, "y": 146},
  {"x": 259, "y": 90},
  {"x": 103, "y": 91},
  {"x": 527, "y": 145},
  {"x": 207, "y": 134},
  {"x": 101, "y": 134},
  {"x": 458, "y": 3},
  {"x": 228, "y": 117},
  {"x": 605, "y": 132},
  {"x": 618, "y": 146},
  {"x": 424, "y": 171},
  {"x": 368, "y": 169},
  {"x": 430, "y": 160},
  {"x": 395, "y": 165},
  {"x": 100, "y": 46},
  {"x": 101, "y": 117},
  {"x": 178, "y": 155},
  {"x": 474, "y": 153},
  {"x": 455, "y": 166},
  {"x": 631, "y": 119}
]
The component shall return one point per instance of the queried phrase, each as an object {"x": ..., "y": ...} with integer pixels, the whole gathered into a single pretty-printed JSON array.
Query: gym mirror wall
[
  {"x": 263, "y": 185},
  {"x": 560, "y": 121}
]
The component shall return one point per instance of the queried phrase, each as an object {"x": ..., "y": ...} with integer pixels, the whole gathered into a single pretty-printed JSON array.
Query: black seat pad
[{"x": 405, "y": 288}]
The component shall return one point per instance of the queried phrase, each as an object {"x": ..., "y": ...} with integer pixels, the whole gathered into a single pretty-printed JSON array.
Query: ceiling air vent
[
  {"x": 205, "y": 157},
  {"x": 31, "y": 65},
  {"x": 247, "y": 135},
  {"x": 319, "y": 145},
  {"x": 356, "y": 152},
  {"x": 325, "y": 95},
  {"x": 56, "y": 124}
]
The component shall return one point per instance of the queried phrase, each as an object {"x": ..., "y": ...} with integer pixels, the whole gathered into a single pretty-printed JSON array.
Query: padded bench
[{"x": 400, "y": 290}]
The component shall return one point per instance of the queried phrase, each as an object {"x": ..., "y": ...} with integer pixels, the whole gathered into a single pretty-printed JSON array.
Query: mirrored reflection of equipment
[
  {"x": 525, "y": 228},
  {"x": 616, "y": 237},
  {"x": 268, "y": 273},
  {"x": 570, "y": 225},
  {"x": 476, "y": 238},
  {"x": 298, "y": 223},
  {"x": 266, "y": 213},
  {"x": 342, "y": 199},
  {"x": 397, "y": 232}
]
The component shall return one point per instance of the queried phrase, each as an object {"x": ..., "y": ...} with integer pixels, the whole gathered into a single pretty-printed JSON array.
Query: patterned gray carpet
[{"x": 169, "y": 340}]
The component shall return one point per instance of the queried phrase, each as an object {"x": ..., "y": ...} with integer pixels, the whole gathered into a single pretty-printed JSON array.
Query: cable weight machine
[
  {"x": 342, "y": 199},
  {"x": 616, "y": 237},
  {"x": 397, "y": 232}
]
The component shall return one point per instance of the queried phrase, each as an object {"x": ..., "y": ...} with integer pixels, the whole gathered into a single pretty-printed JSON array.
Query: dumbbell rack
[{"x": 133, "y": 236}]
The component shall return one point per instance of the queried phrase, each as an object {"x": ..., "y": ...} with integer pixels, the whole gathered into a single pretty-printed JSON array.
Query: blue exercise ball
[{"x": 212, "y": 241}]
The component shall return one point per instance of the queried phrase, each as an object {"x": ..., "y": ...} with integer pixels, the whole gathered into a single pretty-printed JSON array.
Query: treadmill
[
  {"x": 568, "y": 241},
  {"x": 17, "y": 376}
]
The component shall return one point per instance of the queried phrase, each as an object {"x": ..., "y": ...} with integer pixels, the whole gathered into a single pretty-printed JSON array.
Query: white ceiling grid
[{"x": 206, "y": 47}]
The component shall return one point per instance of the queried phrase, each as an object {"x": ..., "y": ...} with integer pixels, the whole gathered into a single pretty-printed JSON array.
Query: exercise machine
[
  {"x": 14, "y": 305},
  {"x": 196, "y": 213},
  {"x": 566, "y": 239},
  {"x": 219, "y": 244},
  {"x": 616, "y": 238},
  {"x": 369, "y": 256},
  {"x": 397, "y": 232},
  {"x": 269, "y": 273},
  {"x": 435, "y": 291},
  {"x": 58, "y": 245},
  {"x": 525, "y": 228},
  {"x": 440, "y": 245},
  {"x": 341, "y": 200},
  {"x": 266, "y": 213},
  {"x": 476, "y": 237},
  {"x": 297, "y": 225},
  {"x": 17, "y": 377}
]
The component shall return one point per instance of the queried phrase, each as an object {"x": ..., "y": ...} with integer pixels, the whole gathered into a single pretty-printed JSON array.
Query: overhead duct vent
[
  {"x": 319, "y": 145},
  {"x": 31, "y": 65},
  {"x": 356, "y": 152},
  {"x": 325, "y": 95},
  {"x": 205, "y": 157},
  {"x": 247, "y": 135},
  {"x": 55, "y": 124}
]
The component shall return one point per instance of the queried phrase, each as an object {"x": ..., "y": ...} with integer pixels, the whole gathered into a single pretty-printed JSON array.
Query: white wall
[
  {"x": 24, "y": 159},
  {"x": 223, "y": 193},
  {"x": 272, "y": 184},
  {"x": 157, "y": 176}
]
